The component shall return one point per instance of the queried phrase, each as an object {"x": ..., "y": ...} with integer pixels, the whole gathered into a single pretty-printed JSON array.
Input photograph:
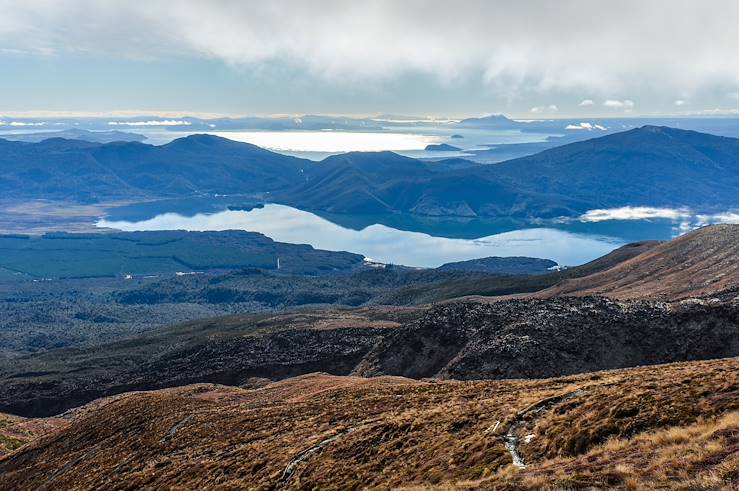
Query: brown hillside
[
  {"x": 16, "y": 431},
  {"x": 662, "y": 427},
  {"x": 700, "y": 263}
]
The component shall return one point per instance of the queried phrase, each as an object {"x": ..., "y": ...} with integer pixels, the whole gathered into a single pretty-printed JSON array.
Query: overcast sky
[{"x": 528, "y": 59}]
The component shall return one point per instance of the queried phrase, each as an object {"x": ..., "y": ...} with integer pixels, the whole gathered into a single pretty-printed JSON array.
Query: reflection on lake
[{"x": 383, "y": 243}]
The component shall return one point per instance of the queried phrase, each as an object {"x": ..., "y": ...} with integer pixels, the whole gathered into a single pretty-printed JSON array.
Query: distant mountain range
[
  {"x": 76, "y": 134},
  {"x": 648, "y": 166},
  {"x": 656, "y": 166}
]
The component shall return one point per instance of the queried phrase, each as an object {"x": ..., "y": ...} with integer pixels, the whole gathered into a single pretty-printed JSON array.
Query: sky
[{"x": 527, "y": 59}]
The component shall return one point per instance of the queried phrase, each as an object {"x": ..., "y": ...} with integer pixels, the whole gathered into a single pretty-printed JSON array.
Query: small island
[
  {"x": 503, "y": 265},
  {"x": 442, "y": 147}
]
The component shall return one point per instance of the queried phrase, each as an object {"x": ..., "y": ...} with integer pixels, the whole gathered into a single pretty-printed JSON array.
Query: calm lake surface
[
  {"x": 398, "y": 239},
  {"x": 317, "y": 145}
]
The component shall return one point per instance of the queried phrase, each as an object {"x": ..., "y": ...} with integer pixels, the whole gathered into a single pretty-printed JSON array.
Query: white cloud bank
[
  {"x": 727, "y": 217},
  {"x": 688, "y": 218},
  {"x": 585, "y": 126},
  {"x": 164, "y": 122},
  {"x": 635, "y": 213},
  {"x": 22, "y": 123},
  {"x": 536, "y": 46},
  {"x": 551, "y": 108},
  {"x": 616, "y": 104}
]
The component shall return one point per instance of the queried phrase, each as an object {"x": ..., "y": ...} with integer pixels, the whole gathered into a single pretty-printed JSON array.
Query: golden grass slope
[
  {"x": 658, "y": 427},
  {"x": 702, "y": 262},
  {"x": 16, "y": 431}
]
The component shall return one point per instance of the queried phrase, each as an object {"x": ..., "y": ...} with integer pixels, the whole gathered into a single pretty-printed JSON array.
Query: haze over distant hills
[
  {"x": 648, "y": 166},
  {"x": 490, "y": 121},
  {"x": 76, "y": 134}
]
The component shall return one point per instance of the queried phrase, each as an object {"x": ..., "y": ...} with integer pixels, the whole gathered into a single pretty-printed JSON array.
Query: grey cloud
[{"x": 612, "y": 50}]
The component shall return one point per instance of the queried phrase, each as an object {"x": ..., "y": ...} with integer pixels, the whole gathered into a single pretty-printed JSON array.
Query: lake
[
  {"x": 399, "y": 239},
  {"x": 410, "y": 141}
]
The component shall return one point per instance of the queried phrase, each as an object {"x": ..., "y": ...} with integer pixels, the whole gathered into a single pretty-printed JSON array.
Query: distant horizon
[{"x": 380, "y": 116}]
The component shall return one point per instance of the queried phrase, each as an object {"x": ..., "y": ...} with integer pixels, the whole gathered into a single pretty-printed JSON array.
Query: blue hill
[{"x": 648, "y": 166}]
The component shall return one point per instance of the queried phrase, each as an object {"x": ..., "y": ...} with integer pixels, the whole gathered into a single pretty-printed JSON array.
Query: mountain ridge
[
  {"x": 648, "y": 166},
  {"x": 83, "y": 171}
]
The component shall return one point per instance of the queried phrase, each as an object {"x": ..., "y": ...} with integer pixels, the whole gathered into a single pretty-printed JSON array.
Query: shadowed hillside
[
  {"x": 458, "y": 339},
  {"x": 544, "y": 338},
  {"x": 651, "y": 165}
]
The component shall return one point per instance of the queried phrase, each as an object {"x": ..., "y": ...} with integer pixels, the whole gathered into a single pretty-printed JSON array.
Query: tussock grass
[
  {"x": 660, "y": 427},
  {"x": 16, "y": 431},
  {"x": 704, "y": 455}
]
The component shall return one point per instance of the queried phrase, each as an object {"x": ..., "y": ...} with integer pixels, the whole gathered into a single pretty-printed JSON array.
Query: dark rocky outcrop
[
  {"x": 528, "y": 338},
  {"x": 543, "y": 338}
]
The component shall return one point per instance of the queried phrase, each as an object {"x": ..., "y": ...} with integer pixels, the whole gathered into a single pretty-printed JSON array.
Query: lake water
[
  {"x": 384, "y": 243},
  {"x": 317, "y": 145},
  {"x": 331, "y": 141}
]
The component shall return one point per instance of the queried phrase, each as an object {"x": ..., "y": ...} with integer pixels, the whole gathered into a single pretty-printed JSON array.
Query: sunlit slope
[{"x": 703, "y": 262}]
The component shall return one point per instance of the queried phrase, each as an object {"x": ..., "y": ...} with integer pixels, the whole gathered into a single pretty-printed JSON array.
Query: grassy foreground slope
[{"x": 663, "y": 427}]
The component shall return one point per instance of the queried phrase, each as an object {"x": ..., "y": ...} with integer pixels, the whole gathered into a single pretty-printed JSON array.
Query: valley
[
  {"x": 415, "y": 245},
  {"x": 46, "y": 312},
  {"x": 493, "y": 337},
  {"x": 509, "y": 372}
]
